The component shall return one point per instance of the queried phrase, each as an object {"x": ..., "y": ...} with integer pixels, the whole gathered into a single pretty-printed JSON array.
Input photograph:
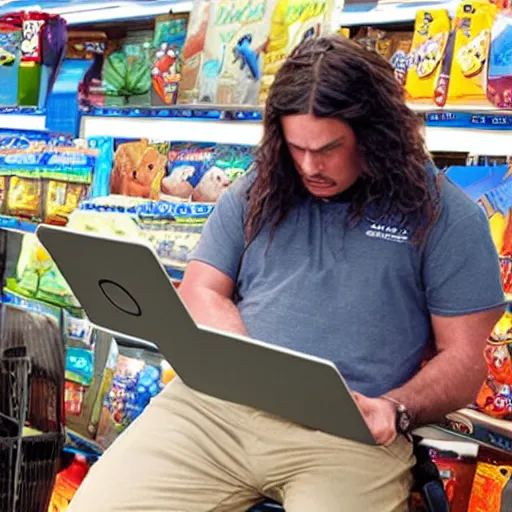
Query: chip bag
[
  {"x": 431, "y": 32},
  {"x": 492, "y": 488},
  {"x": 468, "y": 72}
]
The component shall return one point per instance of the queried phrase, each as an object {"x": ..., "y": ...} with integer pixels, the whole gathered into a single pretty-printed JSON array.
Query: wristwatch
[{"x": 403, "y": 417}]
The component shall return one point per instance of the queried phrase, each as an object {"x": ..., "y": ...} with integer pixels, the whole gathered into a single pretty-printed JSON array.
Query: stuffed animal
[
  {"x": 138, "y": 170},
  {"x": 212, "y": 185}
]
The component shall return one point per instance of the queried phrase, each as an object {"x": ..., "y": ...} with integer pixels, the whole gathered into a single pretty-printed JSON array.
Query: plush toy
[
  {"x": 138, "y": 170},
  {"x": 212, "y": 185}
]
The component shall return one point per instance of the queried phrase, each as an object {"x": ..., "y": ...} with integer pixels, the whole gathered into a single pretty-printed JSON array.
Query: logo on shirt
[{"x": 395, "y": 234}]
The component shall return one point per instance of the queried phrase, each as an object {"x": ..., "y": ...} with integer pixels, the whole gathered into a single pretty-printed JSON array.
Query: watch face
[{"x": 403, "y": 420}]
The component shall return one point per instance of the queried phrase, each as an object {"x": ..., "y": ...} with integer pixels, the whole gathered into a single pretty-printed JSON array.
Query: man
[{"x": 343, "y": 244}]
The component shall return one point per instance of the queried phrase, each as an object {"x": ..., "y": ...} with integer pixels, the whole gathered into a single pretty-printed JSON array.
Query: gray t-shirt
[{"x": 361, "y": 297}]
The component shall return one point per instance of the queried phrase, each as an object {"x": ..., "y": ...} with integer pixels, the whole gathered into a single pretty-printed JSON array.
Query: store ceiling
[{"x": 92, "y": 11}]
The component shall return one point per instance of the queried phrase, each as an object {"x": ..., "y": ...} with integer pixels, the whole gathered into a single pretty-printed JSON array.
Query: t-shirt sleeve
[
  {"x": 222, "y": 240},
  {"x": 461, "y": 269}
]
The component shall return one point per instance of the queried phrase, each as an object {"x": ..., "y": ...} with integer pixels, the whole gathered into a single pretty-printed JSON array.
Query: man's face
[{"x": 324, "y": 151}]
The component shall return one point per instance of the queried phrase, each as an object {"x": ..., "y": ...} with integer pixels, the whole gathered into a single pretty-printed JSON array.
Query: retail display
[
  {"x": 162, "y": 189},
  {"x": 456, "y": 61},
  {"x": 45, "y": 179}
]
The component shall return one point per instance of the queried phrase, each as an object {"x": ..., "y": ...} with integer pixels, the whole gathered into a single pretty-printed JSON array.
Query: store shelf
[
  {"x": 463, "y": 140},
  {"x": 389, "y": 12},
  {"x": 480, "y": 131},
  {"x": 17, "y": 225},
  {"x": 22, "y": 118},
  {"x": 478, "y": 427},
  {"x": 191, "y": 123}
]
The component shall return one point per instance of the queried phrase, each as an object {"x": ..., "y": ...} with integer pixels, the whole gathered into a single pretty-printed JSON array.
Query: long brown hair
[{"x": 333, "y": 77}]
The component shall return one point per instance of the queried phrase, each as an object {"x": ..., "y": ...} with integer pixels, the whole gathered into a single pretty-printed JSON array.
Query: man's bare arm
[
  {"x": 452, "y": 379},
  {"x": 208, "y": 295}
]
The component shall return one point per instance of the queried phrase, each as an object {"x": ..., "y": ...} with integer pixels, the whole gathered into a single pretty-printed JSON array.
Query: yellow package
[
  {"x": 24, "y": 198},
  {"x": 431, "y": 32},
  {"x": 292, "y": 22},
  {"x": 344, "y": 32},
  {"x": 473, "y": 25},
  {"x": 489, "y": 488},
  {"x": 3, "y": 192},
  {"x": 61, "y": 199}
]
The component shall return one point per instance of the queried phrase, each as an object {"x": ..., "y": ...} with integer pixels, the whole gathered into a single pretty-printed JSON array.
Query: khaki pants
[{"x": 192, "y": 453}]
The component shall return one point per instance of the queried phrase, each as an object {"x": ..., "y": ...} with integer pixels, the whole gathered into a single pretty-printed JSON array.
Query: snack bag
[
  {"x": 491, "y": 487},
  {"x": 431, "y": 31},
  {"x": 400, "y": 55},
  {"x": 83, "y": 45},
  {"x": 292, "y": 22},
  {"x": 499, "y": 74},
  {"x": 236, "y": 37},
  {"x": 4, "y": 180},
  {"x": 61, "y": 199},
  {"x": 168, "y": 41},
  {"x": 468, "y": 72},
  {"x": 193, "y": 51},
  {"x": 24, "y": 198},
  {"x": 10, "y": 55},
  {"x": 138, "y": 169},
  {"x": 203, "y": 171},
  {"x": 38, "y": 277},
  {"x": 126, "y": 73}
]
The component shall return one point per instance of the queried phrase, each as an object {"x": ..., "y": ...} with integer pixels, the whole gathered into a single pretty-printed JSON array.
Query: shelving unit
[
  {"x": 455, "y": 129},
  {"x": 22, "y": 118}
]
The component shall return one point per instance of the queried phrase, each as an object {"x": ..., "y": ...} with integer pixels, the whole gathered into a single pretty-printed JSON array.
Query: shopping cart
[{"x": 14, "y": 385}]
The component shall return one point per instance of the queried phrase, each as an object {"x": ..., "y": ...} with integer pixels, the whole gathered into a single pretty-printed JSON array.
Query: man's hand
[{"x": 380, "y": 415}]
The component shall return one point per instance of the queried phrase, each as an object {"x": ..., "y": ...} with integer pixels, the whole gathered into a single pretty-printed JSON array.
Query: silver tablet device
[{"x": 124, "y": 288}]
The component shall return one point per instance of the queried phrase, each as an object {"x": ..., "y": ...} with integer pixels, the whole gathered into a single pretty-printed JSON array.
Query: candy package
[
  {"x": 431, "y": 31},
  {"x": 168, "y": 41},
  {"x": 499, "y": 74},
  {"x": 468, "y": 73},
  {"x": 292, "y": 22}
]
